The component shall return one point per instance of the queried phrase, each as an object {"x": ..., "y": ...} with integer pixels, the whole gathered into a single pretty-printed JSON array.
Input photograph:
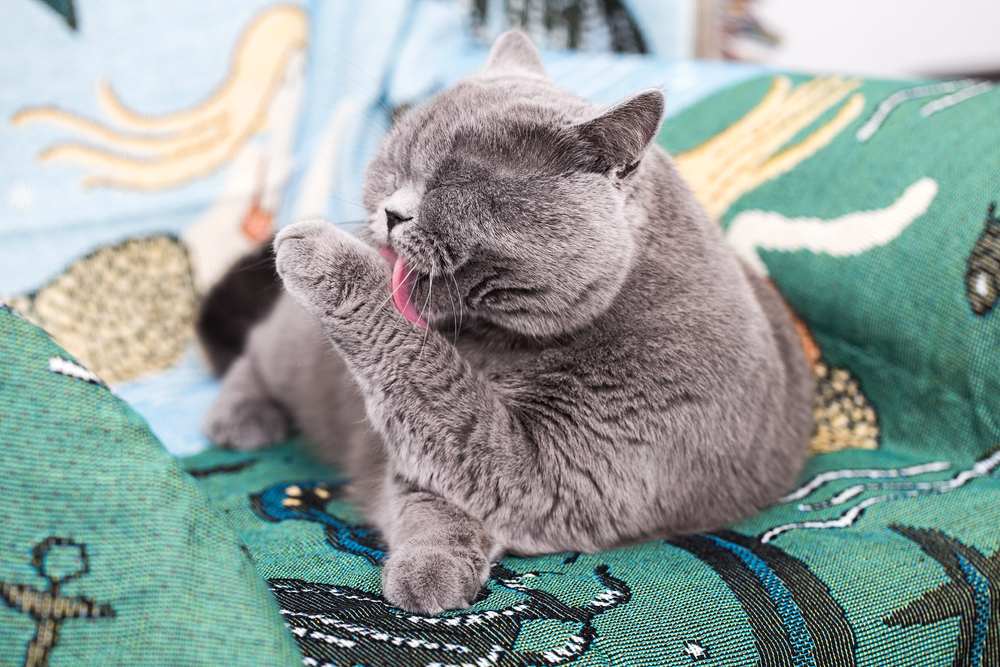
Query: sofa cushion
[{"x": 109, "y": 553}]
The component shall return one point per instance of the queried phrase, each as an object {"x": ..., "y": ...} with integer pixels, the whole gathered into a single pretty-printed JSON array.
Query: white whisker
[
  {"x": 393, "y": 292},
  {"x": 427, "y": 328},
  {"x": 458, "y": 292},
  {"x": 451, "y": 300}
]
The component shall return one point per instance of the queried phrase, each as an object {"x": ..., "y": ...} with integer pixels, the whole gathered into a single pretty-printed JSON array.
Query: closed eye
[{"x": 498, "y": 297}]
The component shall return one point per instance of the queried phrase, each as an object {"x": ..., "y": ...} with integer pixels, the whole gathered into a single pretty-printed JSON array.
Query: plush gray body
[{"x": 599, "y": 367}]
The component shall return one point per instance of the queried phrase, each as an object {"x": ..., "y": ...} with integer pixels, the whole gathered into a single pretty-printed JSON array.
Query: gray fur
[{"x": 599, "y": 367}]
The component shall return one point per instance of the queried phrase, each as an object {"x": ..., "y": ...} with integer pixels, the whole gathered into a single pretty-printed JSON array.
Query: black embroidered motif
[
  {"x": 982, "y": 273},
  {"x": 65, "y": 9},
  {"x": 972, "y": 595},
  {"x": 306, "y": 501},
  {"x": 222, "y": 469},
  {"x": 571, "y": 557},
  {"x": 338, "y": 625},
  {"x": 47, "y": 607},
  {"x": 794, "y": 618}
]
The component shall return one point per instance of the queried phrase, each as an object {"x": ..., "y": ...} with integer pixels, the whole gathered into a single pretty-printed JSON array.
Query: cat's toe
[
  {"x": 429, "y": 581},
  {"x": 299, "y": 255},
  {"x": 321, "y": 265},
  {"x": 246, "y": 425}
]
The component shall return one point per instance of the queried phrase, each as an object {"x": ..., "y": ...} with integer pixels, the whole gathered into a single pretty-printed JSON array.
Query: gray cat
[{"x": 567, "y": 357}]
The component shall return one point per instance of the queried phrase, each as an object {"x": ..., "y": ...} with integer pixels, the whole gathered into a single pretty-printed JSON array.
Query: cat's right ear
[
  {"x": 616, "y": 140},
  {"x": 514, "y": 50}
]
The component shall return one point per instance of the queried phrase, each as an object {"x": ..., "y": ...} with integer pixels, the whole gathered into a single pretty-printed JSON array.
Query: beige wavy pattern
[
  {"x": 753, "y": 150},
  {"x": 136, "y": 151}
]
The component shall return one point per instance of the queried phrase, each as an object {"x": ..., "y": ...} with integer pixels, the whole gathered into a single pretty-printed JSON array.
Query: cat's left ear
[
  {"x": 616, "y": 140},
  {"x": 514, "y": 50}
]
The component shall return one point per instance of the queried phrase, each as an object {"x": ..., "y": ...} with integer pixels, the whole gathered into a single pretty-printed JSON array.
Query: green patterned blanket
[{"x": 872, "y": 207}]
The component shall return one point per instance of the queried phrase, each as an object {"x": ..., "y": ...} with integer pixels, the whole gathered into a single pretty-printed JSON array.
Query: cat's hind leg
[
  {"x": 244, "y": 416},
  {"x": 439, "y": 556}
]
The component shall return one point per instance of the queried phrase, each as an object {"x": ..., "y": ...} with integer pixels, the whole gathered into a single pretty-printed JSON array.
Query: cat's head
[{"x": 504, "y": 199}]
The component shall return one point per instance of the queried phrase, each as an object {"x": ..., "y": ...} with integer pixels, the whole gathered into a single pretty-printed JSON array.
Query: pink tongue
[{"x": 400, "y": 287}]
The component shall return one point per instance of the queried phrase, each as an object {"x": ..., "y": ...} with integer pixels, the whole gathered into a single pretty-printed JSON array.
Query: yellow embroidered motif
[
  {"x": 49, "y": 608},
  {"x": 753, "y": 150}
]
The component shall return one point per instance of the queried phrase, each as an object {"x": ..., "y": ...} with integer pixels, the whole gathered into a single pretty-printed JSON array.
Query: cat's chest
[
  {"x": 484, "y": 358},
  {"x": 493, "y": 358}
]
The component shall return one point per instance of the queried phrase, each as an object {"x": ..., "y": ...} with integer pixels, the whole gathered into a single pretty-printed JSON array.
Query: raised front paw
[
  {"x": 428, "y": 580},
  {"x": 323, "y": 267}
]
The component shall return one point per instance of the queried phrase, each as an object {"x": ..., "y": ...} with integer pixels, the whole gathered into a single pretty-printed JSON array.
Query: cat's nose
[{"x": 392, "y": 219}]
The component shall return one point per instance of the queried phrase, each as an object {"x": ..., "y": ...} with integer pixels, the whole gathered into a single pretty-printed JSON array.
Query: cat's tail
[{"x": 237, "y": 302}]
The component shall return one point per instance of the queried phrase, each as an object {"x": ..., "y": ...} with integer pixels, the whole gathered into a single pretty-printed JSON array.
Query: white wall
[{"x": 885, "y": 37}]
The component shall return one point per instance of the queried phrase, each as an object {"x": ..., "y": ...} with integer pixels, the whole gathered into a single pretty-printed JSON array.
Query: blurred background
[
  {"x": 867, "y": 37},
  {"x": 148, "y": 145}
]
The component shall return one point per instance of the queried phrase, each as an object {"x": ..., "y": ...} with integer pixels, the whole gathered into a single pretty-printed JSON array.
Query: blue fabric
[{"x": 47, "y": 217}]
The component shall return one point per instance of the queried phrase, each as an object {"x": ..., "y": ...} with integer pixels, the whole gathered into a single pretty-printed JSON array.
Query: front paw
[
  {"x": 245, "y": 425},
  {"x": 323, "y": 267},
  {"x": 429, "y": 580}
]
